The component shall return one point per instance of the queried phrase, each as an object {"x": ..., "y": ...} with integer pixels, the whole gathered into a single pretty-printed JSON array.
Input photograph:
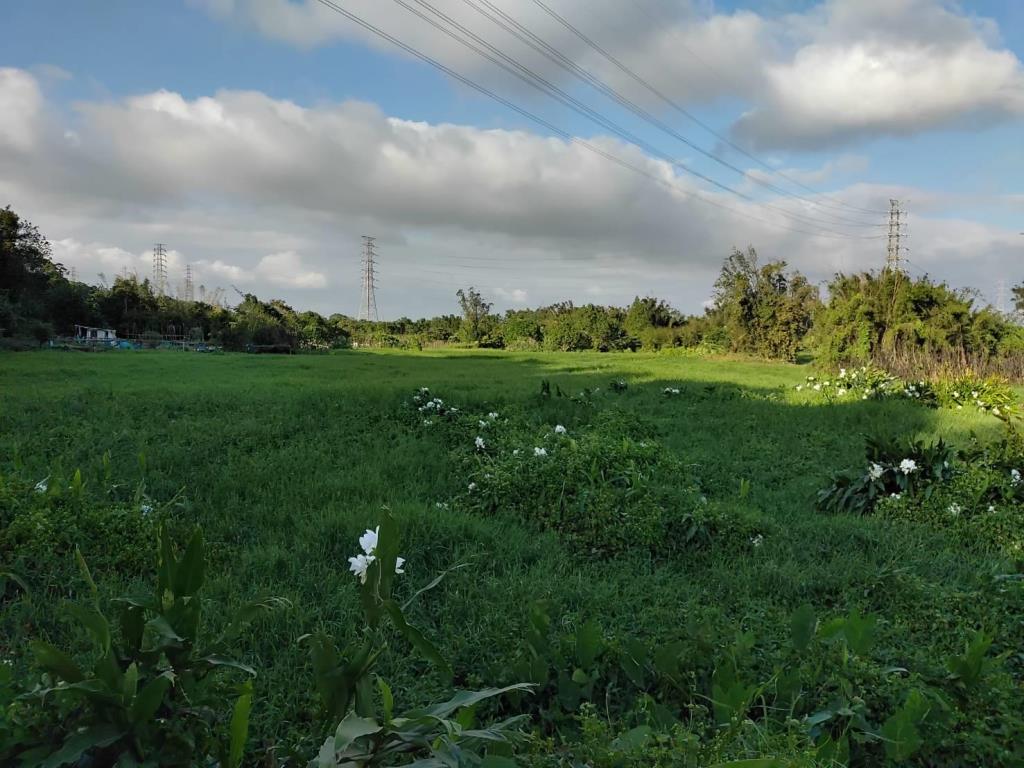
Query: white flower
[
  {"x": 454, "y": 410},
  {"x": 896, "y": 496},
  {"x": 424, "y": 391},
  {"x": 799, "y": 387},
  {"x": 757, "y": 541},
  {"x": 359, "y": 565},
  {"x": 368, "y": 541},
  {"x": 441, "y": 504},
  {"x": 439, "y": 401},
  {"x": 430, "y": 406},
  {"x": 842, "y": 373},
  {"x": 675, "y": 391},
  {"x": 991, "y": 508},
  {"x": 908, "y": 466},
  {"x": 995, "y": 411},
  {"x": 841, "y": 392},
  {"x": 540, "y": 452},
  {"x": 974, "y": 394},
  {"x": 427, "y": 422},
  {"x": 955, "y": 509},
  {"x": 399, "y": 562},
  {"x": 483, "y": 425},
  {"x": 817, "y": 387},
  {"x": 43, "y": 484},
  {"x": 472, "y": 487},
  {"x": 864, "y": 396},
  {"x": 515, "y": 452},
  {"x": 875, "y": 471},
  {"x": 559, "y": 429},
  {"x": 480, "y": 444},
  {"x": 145, "y": 508},
  {"x": 492, "y": 415},
  {"x": 1015, "y": 476}
]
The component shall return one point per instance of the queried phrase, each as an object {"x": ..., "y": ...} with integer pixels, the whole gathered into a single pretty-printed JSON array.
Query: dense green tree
[
  {"x": 475, "y": 311},
  {"x": 765, "y": 310}
]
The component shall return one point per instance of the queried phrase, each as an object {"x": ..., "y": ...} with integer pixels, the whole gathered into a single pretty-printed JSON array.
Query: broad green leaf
[
  {"x": 56, "y": 662},
  {"x": 633, "y": 739},
  {"x": 239, "y": 729},
  {"x": 417, "y": 639},
  {"x": 901, "y": 737},
  {"x": 84, "y": 570},
  {"x": 588, "y": 644},
  {"x": 94, "y": 622},
  {"x": 190, "y": 570},
  {"x": 353, "y": 727},
  {"x": 77, "y": 744},
  {"x": 803, "y": 624},
  {"x": 465, "y": 699},
  {"x": 149, "y": 699},
  {"x": 387, "y": 700}
]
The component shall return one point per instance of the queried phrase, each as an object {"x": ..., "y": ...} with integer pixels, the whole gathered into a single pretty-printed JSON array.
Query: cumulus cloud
[
  {"x": 272, "y": 196},
  {"x": 20, "y": 104},
  {"x": 883, "y": 67},
  {"x": 286, "y": 269},
  {"x": 840, "y": 72}
]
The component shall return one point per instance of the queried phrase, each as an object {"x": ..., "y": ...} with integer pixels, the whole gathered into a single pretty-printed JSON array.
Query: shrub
[
  {"x": 41, "y": 526},
  {"x": 154, "y": 694},
  {"x": 893, "y": 470}
]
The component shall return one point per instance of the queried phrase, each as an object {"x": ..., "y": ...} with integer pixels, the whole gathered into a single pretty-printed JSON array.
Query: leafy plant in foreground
[
  {"x": 439, "y": 735},
  {"x": 152, "y": 696},
  {"x": 893, "y": 469}
]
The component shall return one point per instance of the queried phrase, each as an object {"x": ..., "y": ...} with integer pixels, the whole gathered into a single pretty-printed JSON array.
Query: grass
[{"x": 284, "y": 461}]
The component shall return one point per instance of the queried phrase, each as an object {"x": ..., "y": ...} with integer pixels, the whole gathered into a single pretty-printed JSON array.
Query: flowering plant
[{"x": 348, "y": 696}]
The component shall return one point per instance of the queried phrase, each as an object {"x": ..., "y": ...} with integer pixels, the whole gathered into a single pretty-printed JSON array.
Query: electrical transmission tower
[
  {"x": 897, "y": 222},
  {"x": 190, "y": 291},
  {"x": 159, "y": 268},
  {"x": 368, "y": 298}
]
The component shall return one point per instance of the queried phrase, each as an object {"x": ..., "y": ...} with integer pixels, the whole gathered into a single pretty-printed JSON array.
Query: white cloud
[
  {"x": 273, "y": 196},
  {"x": 20, "y": 105},
  {"x": 286, "y": 269},
  {"x": 840, "y": 72}
]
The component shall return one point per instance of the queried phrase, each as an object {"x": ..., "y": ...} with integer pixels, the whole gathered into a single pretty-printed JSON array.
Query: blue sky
[{"x": 917, "y": 99}]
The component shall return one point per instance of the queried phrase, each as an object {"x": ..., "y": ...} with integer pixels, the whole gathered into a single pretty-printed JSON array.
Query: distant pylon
[
  {"x": 74, "y": 274},
  {"x": 894, "y": 254},
  {"x": 368, "y": 297},
  {"x": 159, "y": 269},
  {"x": 190, "y": 291}
]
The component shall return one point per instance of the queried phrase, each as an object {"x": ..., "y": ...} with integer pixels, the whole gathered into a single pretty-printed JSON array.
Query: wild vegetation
[
  {"x": 909, "y": 327},
  {"x": 497, "y": 559}
]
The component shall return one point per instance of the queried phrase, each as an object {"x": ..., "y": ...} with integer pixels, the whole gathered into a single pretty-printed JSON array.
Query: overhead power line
[
  {"x": 565, "y": 135},
  {"x": 549, "y": 89},
  {"x": 524, "y": 35},
  {"x": 724, "y": 139},
  {"x": 518, "y": 30}
]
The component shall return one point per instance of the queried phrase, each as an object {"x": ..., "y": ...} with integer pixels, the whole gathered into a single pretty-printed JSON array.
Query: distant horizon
[{"x": 288, "y": 131}]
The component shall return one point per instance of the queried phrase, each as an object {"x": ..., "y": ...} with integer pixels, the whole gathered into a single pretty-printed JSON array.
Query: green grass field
[{"x": 284, "y": 460}]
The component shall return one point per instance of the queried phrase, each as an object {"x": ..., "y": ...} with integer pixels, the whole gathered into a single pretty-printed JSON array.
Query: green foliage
[
  {"x": 42, "y": 526},
  {"x": 435, "y": 735},
  {"x": 607, "y": 488},
  {"x": 765, "y": 311},
  {"x": 154, "y": 694},
  {"x": 894, "y": 469}
]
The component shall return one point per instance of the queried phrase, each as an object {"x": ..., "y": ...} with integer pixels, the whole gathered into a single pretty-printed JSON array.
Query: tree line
[{"x": 766, "y": 310}]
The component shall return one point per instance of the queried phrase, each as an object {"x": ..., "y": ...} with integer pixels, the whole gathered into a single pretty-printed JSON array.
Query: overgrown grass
[{"x": 284, "y": 461}]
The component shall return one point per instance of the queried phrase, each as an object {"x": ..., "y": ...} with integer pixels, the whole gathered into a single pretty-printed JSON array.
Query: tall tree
[{"x": 474, "y": 312}]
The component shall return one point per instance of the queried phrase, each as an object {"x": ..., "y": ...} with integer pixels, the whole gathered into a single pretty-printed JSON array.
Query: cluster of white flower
[
  {"x": 540, "y": 452},
  {"x": 955, "y": 509},
  {"x": 492, "y": 415},
  {"x": 908, "y": 466},
  {"x": 360, "y": 564},
  {"x": 559, "y": 429},
  {"x": 757, "y": 540},
  {"x": 431, "y": 405},
  {"x": 670, "y": 391},
  {"x": 480, "y": 444},
  {"x": 915, "y": 390},
  {"x": 43, "y": 485},
  {"x": 1015, "y": 477},
  {"x": 441, "y": 504},
  {"x": 875, "y": 471}
]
